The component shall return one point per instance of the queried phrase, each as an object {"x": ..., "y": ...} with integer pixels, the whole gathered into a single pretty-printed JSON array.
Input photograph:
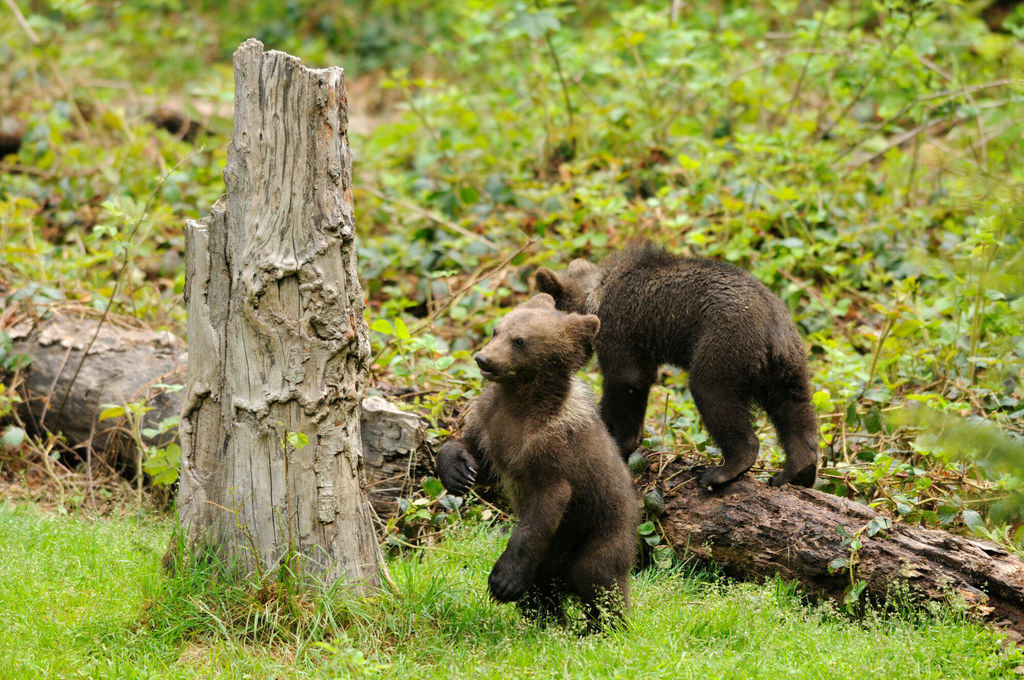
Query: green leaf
[
  {"x": 645, "y": 529},
  {"x": 401, "y": 331},
  {"x": 382, "y": 326},
  {"x": 822, "y": 401},
  {"x": 533, "y": 24},
  {"x": 433, "y": 486},
  {"x": 662, "y": 556},
  {"x": 873, "y": 420},
  {"x": 297, "y": 440},
  {"x": 112, "y": 412},
  {"x": 974, "y": 522},
  {"x": 838, "y": 564},
  {"x": 853, "y": 594}
]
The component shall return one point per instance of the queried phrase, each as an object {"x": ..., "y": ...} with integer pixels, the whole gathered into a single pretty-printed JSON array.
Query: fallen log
[
  {"x": 753, "y": 531},
  {"x": 127, "y": 362}
]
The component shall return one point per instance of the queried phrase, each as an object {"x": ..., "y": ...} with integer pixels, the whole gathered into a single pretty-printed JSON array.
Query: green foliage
[
  {"x": 852, "y": 543},
  {"x": 88, "y": 599},
  {"x": 859, "y": 158}
]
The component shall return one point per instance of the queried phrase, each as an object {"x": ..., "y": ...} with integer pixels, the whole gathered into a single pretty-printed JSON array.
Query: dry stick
[
  {"x": 117, "y": 282},
  {"x": 472, "y": 282},
  {"x": 53, "y": 385},
  {"x": 803, "y": 71},
  {"x": 822, "y": 134},
  {"x": 475, "y": 279},
  {"x": 966, "y": 92},
  {"x": 901, "y": 139},
  {"x": 447, "y": 224},
  {"x": 21, "y": 22}
]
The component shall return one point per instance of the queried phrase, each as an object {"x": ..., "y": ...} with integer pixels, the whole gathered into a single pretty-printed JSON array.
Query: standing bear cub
[
  {"x": 536, "y": 429},
  {"x": 733, "y": 335}
]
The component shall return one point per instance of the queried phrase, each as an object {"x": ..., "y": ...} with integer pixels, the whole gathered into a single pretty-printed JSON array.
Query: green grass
[{"x": 87, "y": 599}]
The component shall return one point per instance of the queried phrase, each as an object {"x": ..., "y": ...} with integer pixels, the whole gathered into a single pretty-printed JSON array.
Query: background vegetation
[{"x": 860, "y": 158}]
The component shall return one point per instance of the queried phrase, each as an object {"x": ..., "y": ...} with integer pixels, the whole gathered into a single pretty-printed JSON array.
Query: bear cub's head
[
  {"x": 535, "y": 340},
  {"x": 571, "y": 289}
]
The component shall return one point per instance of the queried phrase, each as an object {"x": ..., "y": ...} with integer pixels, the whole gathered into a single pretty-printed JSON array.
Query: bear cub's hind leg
[
  {"x": 728, "y": 421},
  {"x": 797, "y": 427}
]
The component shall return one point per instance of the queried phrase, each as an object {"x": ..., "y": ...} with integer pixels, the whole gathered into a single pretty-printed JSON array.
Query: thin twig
[
  {"x": 447, "y": 224},
  {"x": 558, "y": 70},
  {"x": 117, "y": 282},
  {"x": 863, "y": 86},
  {"x": 20, "y": 18},
  {"x": 474, "y": 280},
  {"x": 803, "y": 71}
]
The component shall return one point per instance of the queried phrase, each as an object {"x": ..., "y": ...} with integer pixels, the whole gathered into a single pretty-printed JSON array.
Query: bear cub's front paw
[
  {"x": 507, "y": 582},
  {"x": 456, "y": 468}
]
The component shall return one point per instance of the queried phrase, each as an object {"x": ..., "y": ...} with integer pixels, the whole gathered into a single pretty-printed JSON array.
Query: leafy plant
[{"x": 853, "y": 542}]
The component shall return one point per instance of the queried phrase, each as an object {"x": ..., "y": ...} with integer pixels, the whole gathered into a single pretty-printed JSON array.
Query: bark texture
[
  {"x": 120, "y": 363},
  {"x": 277, "y": 338},
  {"x": 753, "y": 531}
]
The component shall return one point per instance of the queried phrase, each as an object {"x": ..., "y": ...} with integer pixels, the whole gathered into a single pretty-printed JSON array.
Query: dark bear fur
[
  {"x": 733, "y": 335},
  {"x": 536, "y": 429}
]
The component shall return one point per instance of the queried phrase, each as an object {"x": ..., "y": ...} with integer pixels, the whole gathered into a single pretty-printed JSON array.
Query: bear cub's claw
[{"x": 456, "y": 468}]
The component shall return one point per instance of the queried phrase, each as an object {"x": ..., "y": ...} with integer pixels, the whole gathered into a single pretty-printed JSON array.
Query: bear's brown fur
[
  {"x": 733, "y": 335},
  {"x": 536, "y": 429}
]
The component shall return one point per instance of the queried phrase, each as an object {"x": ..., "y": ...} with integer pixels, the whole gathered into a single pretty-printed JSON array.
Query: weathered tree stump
[
  {"x": 278, "y": 343},
  {"x": 753, "y": 531}
]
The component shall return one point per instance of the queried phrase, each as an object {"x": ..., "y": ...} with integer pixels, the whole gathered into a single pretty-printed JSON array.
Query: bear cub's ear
[
  {"x": 539, "y": 301},
  {"x": 585, "y": 326},
  {"x": 549, "y": 282}
]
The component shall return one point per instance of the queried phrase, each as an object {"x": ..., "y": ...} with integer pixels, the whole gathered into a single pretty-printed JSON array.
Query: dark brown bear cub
[
  {"x": 733, "y": 335},
  {"x": 535, "y": 428}
]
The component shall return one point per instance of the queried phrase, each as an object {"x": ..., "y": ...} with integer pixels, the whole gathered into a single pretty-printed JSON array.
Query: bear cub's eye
[{"x": 519, "y": 342}]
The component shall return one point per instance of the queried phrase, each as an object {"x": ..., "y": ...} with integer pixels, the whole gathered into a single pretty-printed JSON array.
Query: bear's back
[{"x": 666, "y": 307}]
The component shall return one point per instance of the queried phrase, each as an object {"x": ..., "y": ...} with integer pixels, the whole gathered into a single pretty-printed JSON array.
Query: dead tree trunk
[
  {"x": 753, "y": 531},
  {"x": 277, "y": 339}
]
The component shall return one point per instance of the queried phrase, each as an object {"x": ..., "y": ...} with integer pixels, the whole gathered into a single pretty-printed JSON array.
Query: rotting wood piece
[
  {"x": 126, "y": 362},
  {"x": 753, "y": 531}
]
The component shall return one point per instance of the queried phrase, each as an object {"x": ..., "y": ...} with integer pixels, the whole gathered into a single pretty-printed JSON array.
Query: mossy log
[{"x": 753, "y": 531}]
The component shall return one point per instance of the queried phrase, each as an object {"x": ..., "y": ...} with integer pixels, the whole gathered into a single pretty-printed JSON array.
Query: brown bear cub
[
  {"x": 733, "y": 335},
  {"x": 536, "y": 429}
]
